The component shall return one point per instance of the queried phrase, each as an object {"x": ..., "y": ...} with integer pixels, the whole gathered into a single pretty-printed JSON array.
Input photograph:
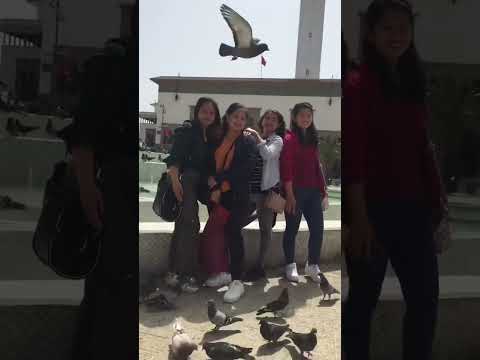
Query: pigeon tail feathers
[{"x": 225, "y": 50}]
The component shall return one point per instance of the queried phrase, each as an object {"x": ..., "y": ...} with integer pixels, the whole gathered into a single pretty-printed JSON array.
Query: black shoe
[{"x": 255, "y": 274}]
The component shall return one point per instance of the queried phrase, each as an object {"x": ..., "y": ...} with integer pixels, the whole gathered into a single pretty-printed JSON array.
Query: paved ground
[{"x": 304, "y": 313}]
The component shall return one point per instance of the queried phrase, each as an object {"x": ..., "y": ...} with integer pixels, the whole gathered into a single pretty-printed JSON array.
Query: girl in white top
[{"x": 265, "y": 178}]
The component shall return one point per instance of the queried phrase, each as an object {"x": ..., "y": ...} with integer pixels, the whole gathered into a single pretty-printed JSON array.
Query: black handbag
[
  {"x": 63, "y": 239},
  {"x": 166, "y": 204}
]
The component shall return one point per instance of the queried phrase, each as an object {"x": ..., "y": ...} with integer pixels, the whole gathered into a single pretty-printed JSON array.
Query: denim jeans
[
  {"x": 183, "y": 255},
  {"x": 309, "y": 204},
  {"x": 266, "y": 217}
]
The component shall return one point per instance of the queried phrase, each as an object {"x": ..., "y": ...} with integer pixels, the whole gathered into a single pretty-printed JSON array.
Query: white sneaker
[
  {"x": 234, "y": 292},
  {"x": 312, "y": 272},
  {"x": 219, "y": 280},
  {"x": 291, "y": 272}
]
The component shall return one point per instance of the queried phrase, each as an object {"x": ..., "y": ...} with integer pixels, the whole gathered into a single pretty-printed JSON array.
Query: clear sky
[{"x": 183, "y": 36}]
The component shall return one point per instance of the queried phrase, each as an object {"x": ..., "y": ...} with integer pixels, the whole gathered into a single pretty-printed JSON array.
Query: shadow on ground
[{"x": 256, "y": 295}]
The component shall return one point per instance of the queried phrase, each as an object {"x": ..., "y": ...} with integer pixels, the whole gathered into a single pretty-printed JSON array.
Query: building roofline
[{"x": 212, "y": 85}]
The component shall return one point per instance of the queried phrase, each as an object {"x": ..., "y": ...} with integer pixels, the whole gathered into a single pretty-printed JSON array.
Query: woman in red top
[
  {"x": 392, "y": 196},
  {"x": 305, "y": 189}
]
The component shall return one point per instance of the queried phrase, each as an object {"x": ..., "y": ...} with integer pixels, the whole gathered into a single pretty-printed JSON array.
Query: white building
[
  {"x": 78, "y": 28},
  {"x": 177, "y": 98},
  {"x": 20, "y": 41},
  {"x": 310, "y": 38}
]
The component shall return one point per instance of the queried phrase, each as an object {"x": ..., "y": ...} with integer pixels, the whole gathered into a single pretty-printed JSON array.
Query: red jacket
[
  {"x": 384, "y": 143},
  {"x": 300, "y": 164}
]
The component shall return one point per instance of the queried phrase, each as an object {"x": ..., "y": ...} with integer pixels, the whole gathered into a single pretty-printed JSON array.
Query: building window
[{"x": 253, "y": 117}]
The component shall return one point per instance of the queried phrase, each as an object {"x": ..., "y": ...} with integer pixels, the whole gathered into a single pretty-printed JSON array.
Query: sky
[{"x": 183, "y": 36}]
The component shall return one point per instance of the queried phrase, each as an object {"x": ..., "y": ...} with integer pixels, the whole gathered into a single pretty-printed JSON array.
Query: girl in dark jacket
[
  {"x": 394, "y": 197},
  {"x": 231, "y": 164},
  {"x": 186, "y": 167}
]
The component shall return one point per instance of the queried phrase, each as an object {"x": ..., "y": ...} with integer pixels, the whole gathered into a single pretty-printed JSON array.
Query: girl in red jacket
[
  {"x": 305, "y": 188},
  {"x": 393, "y": 195}
]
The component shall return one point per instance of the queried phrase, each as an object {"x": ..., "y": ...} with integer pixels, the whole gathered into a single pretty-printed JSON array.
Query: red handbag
[{"x": 212, "y": 247}]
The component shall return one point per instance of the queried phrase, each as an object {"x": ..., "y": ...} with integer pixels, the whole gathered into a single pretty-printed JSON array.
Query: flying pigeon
[
  {"x": 24, "y": 129},
  {"x": 271, "y": 331},
  {"x": 277, "y": 305},
  {"x": 327, "y": 289},
  {"x": 305, "y": 342},
  {"x": 245, "y": 45},
  {"x": 218, "y": 318},
  {"x": 182, "y": 346},
  {"x": 225, "y": 351}
]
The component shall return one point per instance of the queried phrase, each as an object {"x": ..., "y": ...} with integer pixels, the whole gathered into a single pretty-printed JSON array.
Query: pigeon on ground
[
  {"x": 218, "y": 318},
  {"x": 305, "y": 342},
  {"x": 158, "y": 301},
  {"x": 142, "y": 189},
  {"x": 182, "y": 346},
  {"x": 10, "y": 127},
  {"x": 6, "y": 203},
  {"x": 145, "y": 157},
  {"x": 277, "y": 305},
  {"x": 245, "y": 45},
  {"x": 327, "y": 289},
  {"x": 24, "y": 129},
  {"x": 225, "y": 351},
  {"x": 271, "y": 331}
]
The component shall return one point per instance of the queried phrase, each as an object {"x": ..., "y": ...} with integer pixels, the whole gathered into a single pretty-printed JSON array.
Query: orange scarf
[{"x": 223, "y": 159}]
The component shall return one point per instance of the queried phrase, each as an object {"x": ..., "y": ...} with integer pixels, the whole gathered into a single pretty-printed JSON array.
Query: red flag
[{"x": 264, "y": 62}]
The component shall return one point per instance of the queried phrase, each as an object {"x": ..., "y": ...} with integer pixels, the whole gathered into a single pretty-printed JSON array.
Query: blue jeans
[{"x": 309, "y": 204}]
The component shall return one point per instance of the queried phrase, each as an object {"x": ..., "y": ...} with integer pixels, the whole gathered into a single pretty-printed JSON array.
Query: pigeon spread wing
[{"x": 241, "y": 29}]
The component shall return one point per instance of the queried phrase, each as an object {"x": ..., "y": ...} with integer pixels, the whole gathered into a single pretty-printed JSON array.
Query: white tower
[{"x": 310, "y": 37}]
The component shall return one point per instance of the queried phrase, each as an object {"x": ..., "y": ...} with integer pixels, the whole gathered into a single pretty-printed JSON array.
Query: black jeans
[
  {"x": 405, "y": 232},
  {"x": 183, "y": 254},
  {"x": 309, "y": 203},
  {"x": 240, "y": 210},
  {"x": 108, "y": 317}
]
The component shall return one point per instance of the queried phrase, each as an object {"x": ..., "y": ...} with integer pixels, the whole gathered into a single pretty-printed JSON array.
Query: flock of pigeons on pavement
[{"x": 182, "y": 346}]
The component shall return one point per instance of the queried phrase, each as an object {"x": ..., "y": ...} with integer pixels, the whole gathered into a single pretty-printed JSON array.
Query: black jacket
[
  {"x": 106, "y": 117},
  {"x": 189, "y": 150},
  {"x": 241, "y": 168}
]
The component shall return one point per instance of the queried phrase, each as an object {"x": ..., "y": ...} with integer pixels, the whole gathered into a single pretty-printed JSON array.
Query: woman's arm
[
  {"x": 181, "y": 146},
  {"x": 271, "y": 150},
  {"x": 355, "y": 112}
]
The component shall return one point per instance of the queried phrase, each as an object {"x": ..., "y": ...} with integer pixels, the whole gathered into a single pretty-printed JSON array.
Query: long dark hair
[
  {"x": 310, "y": 136},
  {"x": 202, "y": 101},
  {"x": 412, "y": 79},
  {"x": 281, "y": 122},
  {"x": 231, "y": 109}
]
